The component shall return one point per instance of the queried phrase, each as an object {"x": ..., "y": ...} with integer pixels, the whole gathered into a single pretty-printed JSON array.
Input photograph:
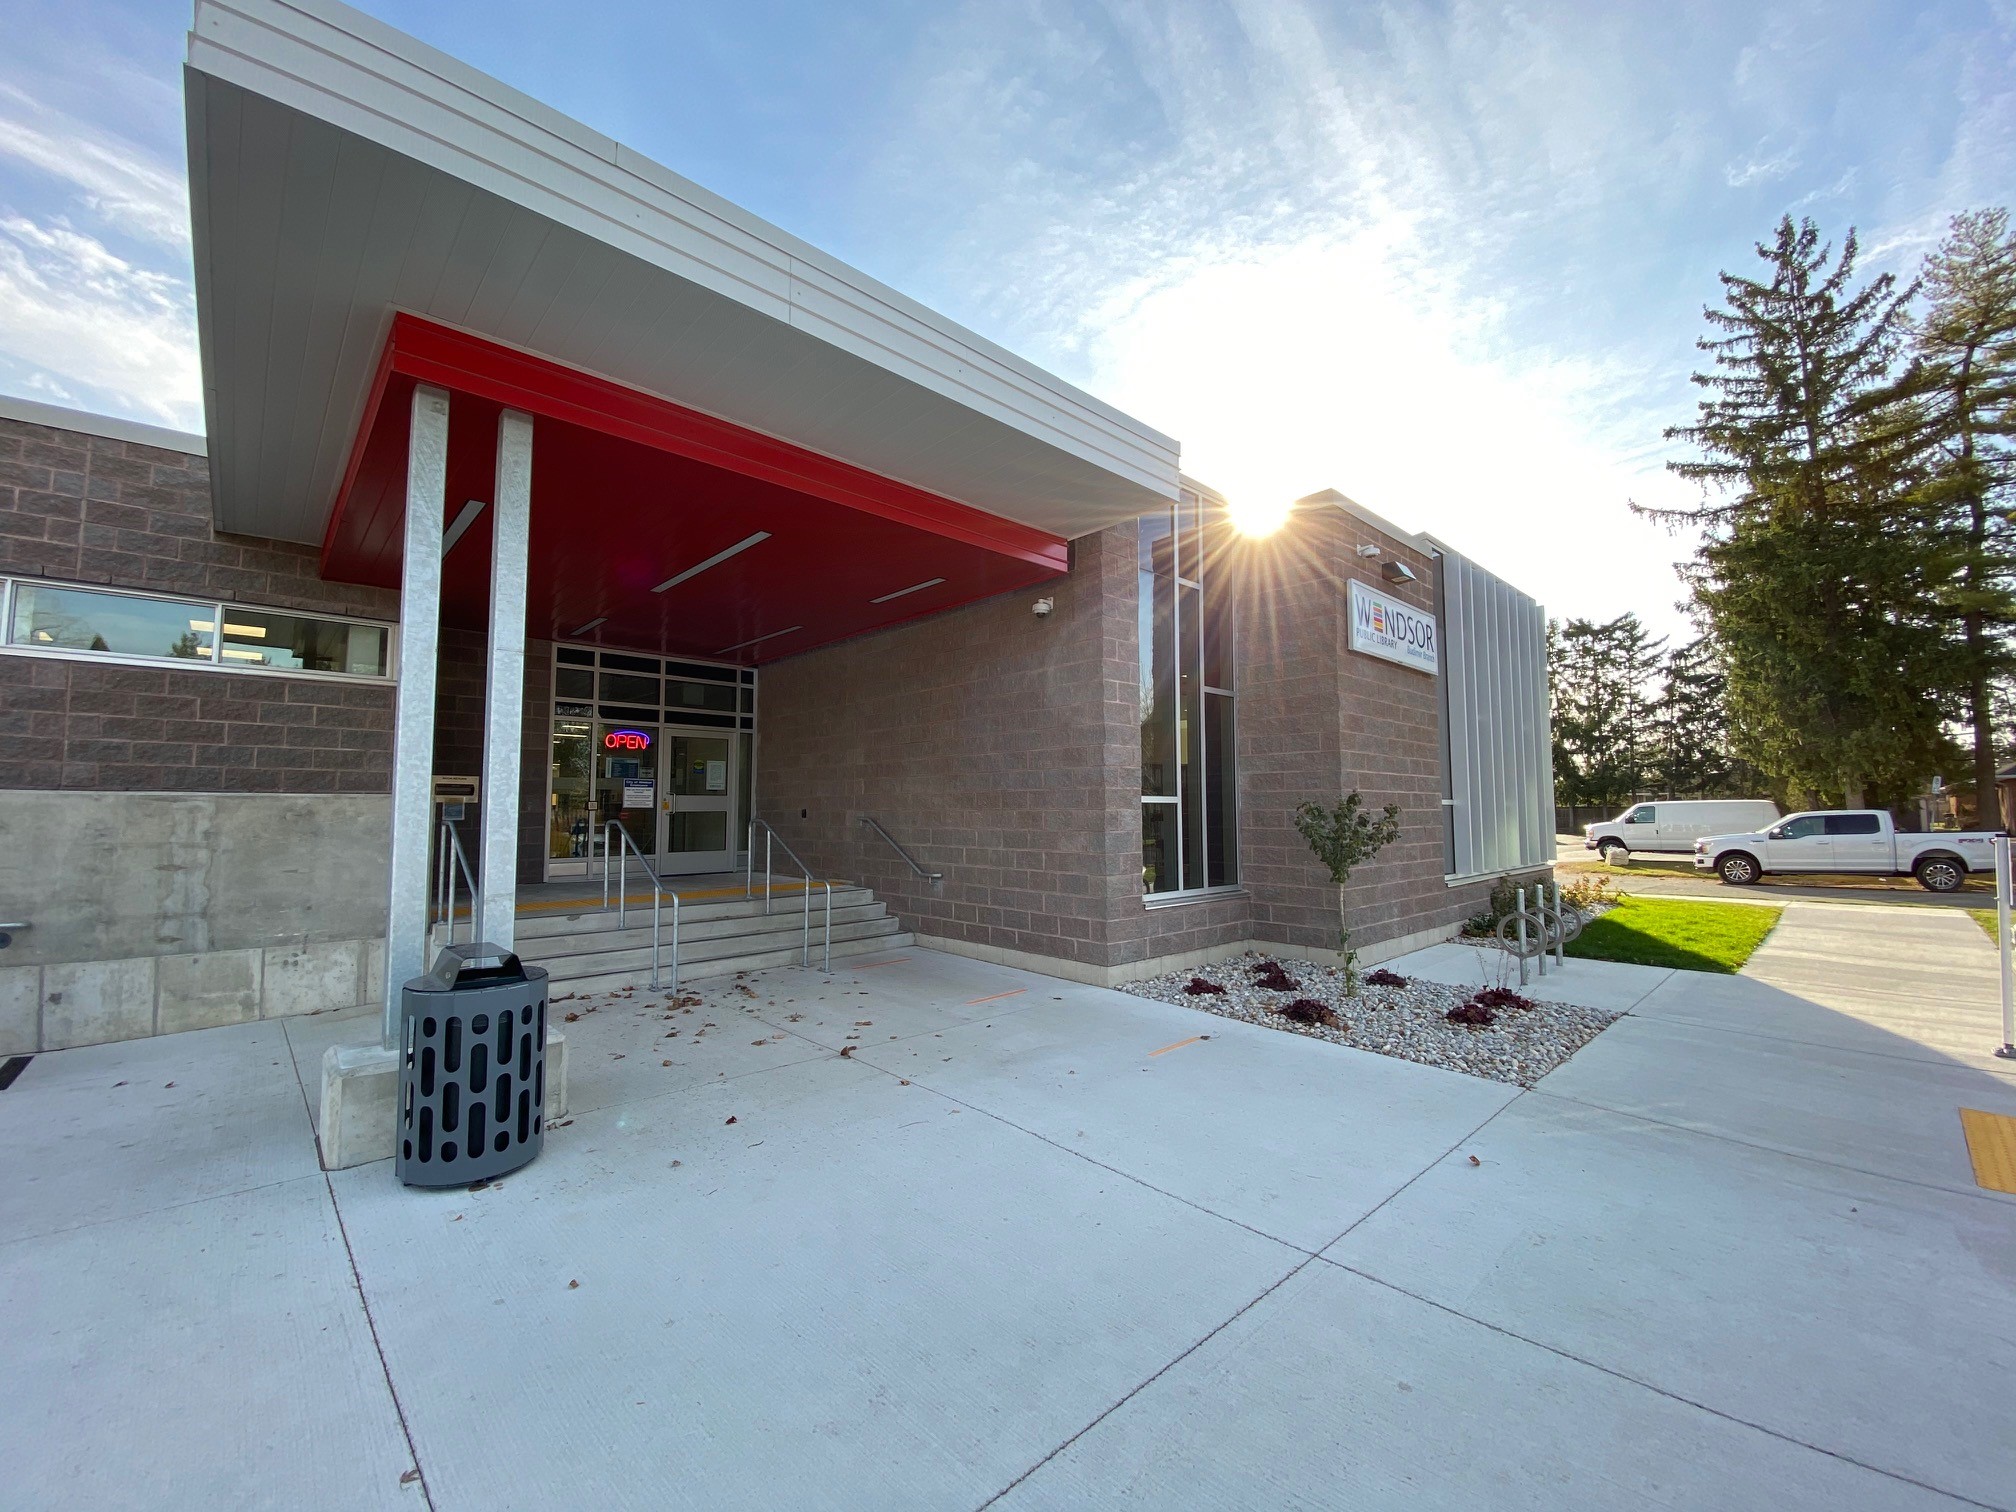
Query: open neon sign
[{"x": 627, "y": 740}]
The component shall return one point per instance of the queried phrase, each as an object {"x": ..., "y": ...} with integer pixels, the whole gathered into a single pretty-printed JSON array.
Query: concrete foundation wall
[{"x": 153, "y": 912}]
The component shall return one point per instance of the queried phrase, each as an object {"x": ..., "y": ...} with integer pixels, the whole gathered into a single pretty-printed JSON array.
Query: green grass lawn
[
  {"x": 1985, "y": 917},
  {"x": 1682, "y": 932}
]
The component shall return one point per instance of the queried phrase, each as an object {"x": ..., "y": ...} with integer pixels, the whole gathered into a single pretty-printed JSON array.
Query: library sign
[{"x": 1396, "y": 632}]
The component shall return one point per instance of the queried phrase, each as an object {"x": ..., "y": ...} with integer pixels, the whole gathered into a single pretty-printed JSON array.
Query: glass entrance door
[{"x": 697, "y": 794}]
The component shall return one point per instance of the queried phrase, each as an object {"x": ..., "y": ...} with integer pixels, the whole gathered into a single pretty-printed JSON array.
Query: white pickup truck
[{"x": 1847, "y": 840}]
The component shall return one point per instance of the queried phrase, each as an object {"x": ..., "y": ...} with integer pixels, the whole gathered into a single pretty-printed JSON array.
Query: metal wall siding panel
[{"x": 1499, "y": 752}]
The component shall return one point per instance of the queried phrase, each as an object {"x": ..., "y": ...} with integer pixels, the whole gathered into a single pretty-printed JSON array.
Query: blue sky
[{"x": 1447, "y": 258}]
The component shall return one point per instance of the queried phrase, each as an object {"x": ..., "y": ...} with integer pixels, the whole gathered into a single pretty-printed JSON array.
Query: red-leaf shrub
[
  {"x": 1269, "y": 976},
  {"x": 1500, "y": 997},
  {"x": 1384, "y": 978},
  {"x": 1199, "y": 987},
  {"x": 1473, "y": 1013}
]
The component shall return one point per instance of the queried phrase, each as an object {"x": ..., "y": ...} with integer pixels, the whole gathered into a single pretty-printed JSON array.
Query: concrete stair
[{"x": 588, "y": 951}]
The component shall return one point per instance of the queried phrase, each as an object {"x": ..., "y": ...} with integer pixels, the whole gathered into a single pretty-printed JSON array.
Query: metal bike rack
[{"x": 1533, "y": 931}]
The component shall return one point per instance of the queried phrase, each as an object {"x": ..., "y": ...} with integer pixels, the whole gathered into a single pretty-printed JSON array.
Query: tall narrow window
[{"x": 1188, "y": 777}]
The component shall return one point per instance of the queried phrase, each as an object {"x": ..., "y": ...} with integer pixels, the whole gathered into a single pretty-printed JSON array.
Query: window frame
[
  {"x": 1190, "y": 519},
  {"x": 219, "y": 609}
]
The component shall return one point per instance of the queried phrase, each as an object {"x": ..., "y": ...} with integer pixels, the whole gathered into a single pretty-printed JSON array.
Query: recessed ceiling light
[
  {"x": 713, "y": 561},
  {"x": 463, "y": 520},
  {"x": 594, "y": 624},
  {"x": 913, "y": 588},
  {"x": 757, "y": 641}
]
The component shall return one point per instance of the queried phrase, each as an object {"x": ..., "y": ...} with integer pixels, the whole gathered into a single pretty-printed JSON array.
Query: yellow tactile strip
[{"x": 1991, "y": 1144}]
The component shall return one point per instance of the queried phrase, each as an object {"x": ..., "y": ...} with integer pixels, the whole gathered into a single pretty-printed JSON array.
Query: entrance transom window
[{"x": 663, "y": 748}]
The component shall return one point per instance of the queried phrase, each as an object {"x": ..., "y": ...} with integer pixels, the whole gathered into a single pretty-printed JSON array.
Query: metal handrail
[
  {"x": 452, "y": 856},
  {"x": 772, "y": 839},
  {"x": 624, "y": 848},
  {"x": 909, "y": 859}
]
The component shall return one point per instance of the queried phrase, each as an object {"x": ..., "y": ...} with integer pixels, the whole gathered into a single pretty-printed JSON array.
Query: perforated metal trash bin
[{"x": 472, "y": 1068}]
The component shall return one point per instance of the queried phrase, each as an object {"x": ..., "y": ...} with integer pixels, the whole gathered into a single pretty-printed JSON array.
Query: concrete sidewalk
[{"x": 1038, "y": 1245}]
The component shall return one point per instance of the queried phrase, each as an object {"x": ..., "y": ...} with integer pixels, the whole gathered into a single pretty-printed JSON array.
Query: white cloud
[
  {"x": 80, "y": 317},
  {"x": 122, "y": 185},
  {"x": 1761, "y": 169}
]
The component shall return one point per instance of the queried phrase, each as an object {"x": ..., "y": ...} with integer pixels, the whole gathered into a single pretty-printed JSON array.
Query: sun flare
[{"x": 1257, "y": 519}]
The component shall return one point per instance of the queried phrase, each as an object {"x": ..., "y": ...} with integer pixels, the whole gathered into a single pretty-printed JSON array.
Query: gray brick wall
[{"x": 93, "y": 510}]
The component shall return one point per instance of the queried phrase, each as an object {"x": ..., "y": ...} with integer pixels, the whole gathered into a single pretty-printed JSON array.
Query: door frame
[{"x": 671, "y": 863}]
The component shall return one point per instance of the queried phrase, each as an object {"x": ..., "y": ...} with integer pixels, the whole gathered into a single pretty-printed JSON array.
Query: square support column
[
  {"x": 504, "y": 686},
  {"x": 413, "y": 727}
]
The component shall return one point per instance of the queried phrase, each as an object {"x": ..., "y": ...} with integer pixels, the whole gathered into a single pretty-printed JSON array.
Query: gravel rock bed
[{"x": 1408, "y": 1022}]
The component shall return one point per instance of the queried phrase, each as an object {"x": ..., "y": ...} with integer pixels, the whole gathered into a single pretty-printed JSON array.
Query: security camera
[
  {"x": 1042, "y": 607},
  {"x": 1368, "y": 550}
]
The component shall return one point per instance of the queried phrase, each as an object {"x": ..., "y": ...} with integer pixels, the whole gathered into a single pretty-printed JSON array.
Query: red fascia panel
[{"x": 433, "y": 353}]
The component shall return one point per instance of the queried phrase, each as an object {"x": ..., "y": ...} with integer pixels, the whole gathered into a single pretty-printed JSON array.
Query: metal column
[
  {"x": 413, "y": 727},
  {"x": 504, "y": 686}
]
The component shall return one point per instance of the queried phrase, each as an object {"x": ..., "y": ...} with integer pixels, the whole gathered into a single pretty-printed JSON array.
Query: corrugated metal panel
[{"x": 1495, "y": 701}]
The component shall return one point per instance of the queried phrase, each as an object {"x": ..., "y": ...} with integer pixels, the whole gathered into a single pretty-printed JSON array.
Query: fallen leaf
[
  {"x": 903, "y": 1084},
  {"x": 409, "y": 1477},
  {"x": 664, "y": 1063},
  {"x": 456, "y": 1219},
  {"x": 846, "y": 1052},
  {"x": 1475, "y": 1161},
  {"x": 677, "y": 1163},
  {"x": 572, "y": 1017},
  {"x": 118, "y": 1084},
  {"x": 573, "y": 1286},
  {"x": 171, "y": 1084},
  {"x": 731, "y": 1118},
  {"x": 864, "y": 1023}
]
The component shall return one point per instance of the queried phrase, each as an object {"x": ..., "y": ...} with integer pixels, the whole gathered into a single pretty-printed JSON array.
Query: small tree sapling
[{"x": 1343, "y": 836}]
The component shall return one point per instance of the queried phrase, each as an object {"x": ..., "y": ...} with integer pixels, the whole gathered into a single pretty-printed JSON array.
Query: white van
[{"x": 1672, "y": 827}]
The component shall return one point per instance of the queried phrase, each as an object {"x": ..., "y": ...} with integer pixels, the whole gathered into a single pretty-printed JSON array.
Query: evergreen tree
[
  {"x": 1961, "y": 410},
  {"x": 1813, "y": 577},
  {"x": 1691, "y": 725},
  {"x": 1600, "y": 678}
]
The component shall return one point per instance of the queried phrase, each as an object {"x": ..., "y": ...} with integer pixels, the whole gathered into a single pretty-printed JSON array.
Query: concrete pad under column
[{"x": 360, "y": 1100}]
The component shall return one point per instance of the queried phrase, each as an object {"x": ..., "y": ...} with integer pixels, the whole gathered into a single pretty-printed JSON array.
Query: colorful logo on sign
[{"x": 627, "y": 740}]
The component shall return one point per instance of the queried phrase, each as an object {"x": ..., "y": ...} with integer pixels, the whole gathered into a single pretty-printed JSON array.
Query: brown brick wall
[
  {"x": 1004, "y": 751},
  {"x": 93, "y": 510},
  {"x": 996, "y": 746}
]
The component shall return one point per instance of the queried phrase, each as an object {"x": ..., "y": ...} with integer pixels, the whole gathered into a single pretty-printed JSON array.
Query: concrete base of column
[{"x": 360, "y": 1099}]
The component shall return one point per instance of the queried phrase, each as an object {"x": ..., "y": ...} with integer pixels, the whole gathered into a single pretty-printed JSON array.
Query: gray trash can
[{"x": 472, "y": 1068}]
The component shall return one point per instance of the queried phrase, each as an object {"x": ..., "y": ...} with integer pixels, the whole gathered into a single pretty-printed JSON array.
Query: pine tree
[
  {"x": 1600, "y": 677},
  {"x": 1813, "y": 574},
  {"x": 1961, "y": 409}
]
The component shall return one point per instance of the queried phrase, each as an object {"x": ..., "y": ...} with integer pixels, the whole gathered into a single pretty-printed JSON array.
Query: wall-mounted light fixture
[{"x": 1396, "y": 572}]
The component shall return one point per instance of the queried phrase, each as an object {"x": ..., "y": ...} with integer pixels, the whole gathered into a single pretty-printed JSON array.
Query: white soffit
[{"x": 340, "y": 170}]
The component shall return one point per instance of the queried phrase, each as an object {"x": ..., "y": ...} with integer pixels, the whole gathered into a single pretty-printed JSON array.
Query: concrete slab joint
[{"x": 360, "y": 1100}]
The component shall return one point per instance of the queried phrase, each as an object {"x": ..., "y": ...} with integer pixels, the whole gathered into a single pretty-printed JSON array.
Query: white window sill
[{"x": 1196, "y": 895}]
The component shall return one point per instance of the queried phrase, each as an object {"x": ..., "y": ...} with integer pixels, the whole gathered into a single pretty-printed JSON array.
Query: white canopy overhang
[{"x": 341, "y": 171}]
